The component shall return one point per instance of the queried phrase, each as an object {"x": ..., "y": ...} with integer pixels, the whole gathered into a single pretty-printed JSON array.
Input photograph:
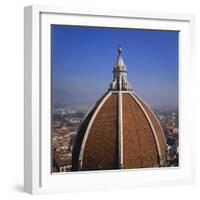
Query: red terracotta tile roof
[{"x": 97, "y": 143}]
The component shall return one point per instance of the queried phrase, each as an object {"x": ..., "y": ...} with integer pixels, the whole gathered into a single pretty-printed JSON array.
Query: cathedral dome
[{"x": 120, "y": 131}]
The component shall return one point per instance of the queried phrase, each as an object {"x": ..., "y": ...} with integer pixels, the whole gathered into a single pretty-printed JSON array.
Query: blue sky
[{"x": 83, "y": 59}]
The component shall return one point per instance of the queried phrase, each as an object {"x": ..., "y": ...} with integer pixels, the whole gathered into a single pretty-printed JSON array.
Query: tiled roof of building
[{"x": 98, "y": 143}]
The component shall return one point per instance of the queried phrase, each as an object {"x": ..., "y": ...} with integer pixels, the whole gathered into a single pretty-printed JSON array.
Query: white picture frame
[{"x": 37, "y": 142}]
